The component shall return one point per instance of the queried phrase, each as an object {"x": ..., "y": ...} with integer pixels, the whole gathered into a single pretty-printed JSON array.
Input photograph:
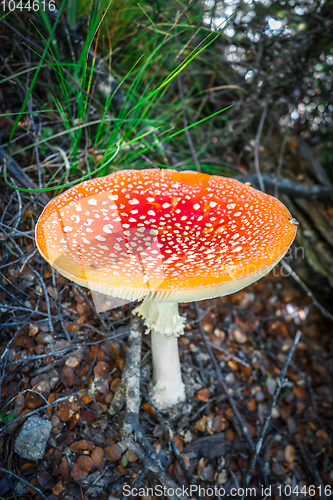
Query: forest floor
[{"x": 63, "y": 361}]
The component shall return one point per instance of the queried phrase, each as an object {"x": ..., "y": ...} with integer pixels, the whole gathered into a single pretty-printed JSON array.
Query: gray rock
[{"x": 32, "y": 438}]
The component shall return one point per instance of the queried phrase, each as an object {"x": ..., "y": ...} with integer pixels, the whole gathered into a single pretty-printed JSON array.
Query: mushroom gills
[{"x": 162, "y": 317}]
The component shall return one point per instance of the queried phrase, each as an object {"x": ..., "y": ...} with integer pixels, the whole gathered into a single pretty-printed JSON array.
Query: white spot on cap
[
  {"x": 231, "y": 206},
  {"x": 113, "y": 197},
  {"x": 166, "y": 205},
  {"x": 153, "y": 231},
  {"x": 86, "y": 241},
  {"x": 237, "y": 214},
  {"x": 196, "y": 206},
  {"x": 92, "y": 201},
  {"x": 212, "y": 204},
  {"x": 100, "y": 238},
  {"x": 108, "y": 228},
  {"x": 133, "y": 202},
  {"x": 68, "y": 229},
  {"x": 150, "y": 199},
  {"x": 237, "y": 249}
]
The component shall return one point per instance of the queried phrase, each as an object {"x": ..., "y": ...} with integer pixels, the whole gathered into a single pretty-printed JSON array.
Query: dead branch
[
  {"x": 298, "y": 280},
  {"x": 20, "y": 175},
  {"x": 130, "y": 389},
  {"x": 256, "y": 148},
  {"x": 41, "y": 408},
  {"x": 287, "y": 186},
  {"x": 6, "y": 471}
]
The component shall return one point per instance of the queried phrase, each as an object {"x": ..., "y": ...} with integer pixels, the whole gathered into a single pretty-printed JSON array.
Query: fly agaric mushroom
[{"x": 165, "y": 237}]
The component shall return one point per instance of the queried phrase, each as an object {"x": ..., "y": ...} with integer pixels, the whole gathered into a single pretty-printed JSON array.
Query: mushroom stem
[
  {"x": 168, "y": 385},
  {"x": 165, "y": 324}
]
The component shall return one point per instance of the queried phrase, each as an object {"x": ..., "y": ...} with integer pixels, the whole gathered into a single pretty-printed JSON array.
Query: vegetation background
[{"x": 240, "y": 89}]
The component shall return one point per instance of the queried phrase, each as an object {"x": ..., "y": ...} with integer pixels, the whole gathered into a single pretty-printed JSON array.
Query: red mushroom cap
[{"x": 175, "y": 236}]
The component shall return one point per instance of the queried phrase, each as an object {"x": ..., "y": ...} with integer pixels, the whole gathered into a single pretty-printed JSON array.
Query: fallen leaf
[
  {"x": 28, "y": 467},
  {"x": 229, "y": 434},
  {"x": 68, "y": 375},
  {"x": 239, "y": 336},
  {"x": 43, "y": 478},
  {"x": 88, "y": 416},
  {"x": 57, "y": 489},
  {"x": 85, "y": 463},
  {"x": 64, "y": 469},
  {"x": 251, "y": 429},
  {"x": 297, "y": 391},
  {"x": 65, "y": 410},
  {"x": 33, "y": 329},
  {"x": 207, "y": 473},
  {"x": 131, "y": 457},
  {"x": 33, "y": 401},
  {"x": 113, "y": 452},
  {"x": 233, "y": 365},
  {"x": 289, "y": 453},
  {"x": 101, "y": 370},
  {"x": 72, "y": 361},
  {"x": 74, "y": 420},
  {"x": 103, "y": 386},
  {"x": 108, "y": 397},
  {"x": 262, "y": 409},
  {"x": 79, "y": 445},
  {"x": 186, "y": 459},
  {"x": 179, "y": 442},
  {"x": 97, "y": 456},
  {"x": 222, "y": 477},
  {"x": 228, "y": 413},
  {"x": 115, "y": 384},
  {"x": 122, "y": 470},
  {"x": 201, "y": 424},
  {"x": 78, "y": 474},
  {"x": 202, "y": 463},
  {"x": 150, "y": 410},
  {"x": 271, "y": 385},
  {"x": 322, "y": 436},
  {"x": 85, "y": 398},
  {"x": 202, "y": 395},
  {"x": 252, "y": 405}
]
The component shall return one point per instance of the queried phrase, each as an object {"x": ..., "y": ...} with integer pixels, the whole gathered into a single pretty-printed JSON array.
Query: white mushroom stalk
[{"x": 165, "y": 324}]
